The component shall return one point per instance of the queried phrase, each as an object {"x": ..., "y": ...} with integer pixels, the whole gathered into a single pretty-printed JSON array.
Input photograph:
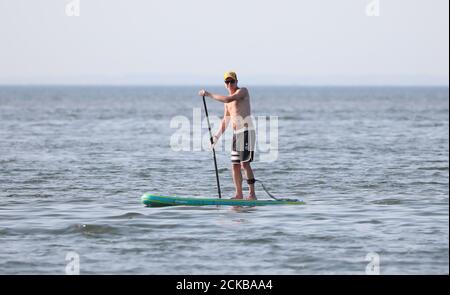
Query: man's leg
[
  {"x": 250, "y": 178},
  {"x": 237, "y": 178}
]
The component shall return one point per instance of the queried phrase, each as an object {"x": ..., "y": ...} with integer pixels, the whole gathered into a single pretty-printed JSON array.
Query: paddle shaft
[{"x": 213, "y": 149}]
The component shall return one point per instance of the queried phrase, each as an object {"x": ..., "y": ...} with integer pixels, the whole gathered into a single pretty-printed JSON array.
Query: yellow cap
[{"x": 229, "y": 75}]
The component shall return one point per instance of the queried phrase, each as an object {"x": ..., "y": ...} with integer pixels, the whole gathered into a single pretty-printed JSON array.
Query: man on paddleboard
[{"x": 237, "y": 110}]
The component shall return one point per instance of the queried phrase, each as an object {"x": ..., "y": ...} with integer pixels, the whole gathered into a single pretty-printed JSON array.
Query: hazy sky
[{"x": 302, "y": 42}]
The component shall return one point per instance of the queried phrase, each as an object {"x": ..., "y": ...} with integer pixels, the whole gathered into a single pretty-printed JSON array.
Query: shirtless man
[{"x": 237, "y": 109}]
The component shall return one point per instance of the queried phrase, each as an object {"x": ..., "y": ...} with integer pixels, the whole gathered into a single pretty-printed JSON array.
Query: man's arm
[{"x": 240, "y": 94}]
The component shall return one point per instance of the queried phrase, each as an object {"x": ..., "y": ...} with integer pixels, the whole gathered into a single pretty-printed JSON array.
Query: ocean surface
[{"x": 372, "y": 165}]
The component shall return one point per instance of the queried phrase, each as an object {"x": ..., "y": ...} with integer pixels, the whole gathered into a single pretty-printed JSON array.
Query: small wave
[
  {"x": 320, "y": 238},
  {"x": 128, "y": 215},
  {"x": 428, "y": 125},
  {"x": 387, "y": 202},
  {"x": 91, "y": 229},
  {"x": 167, "y": 226},
  {"x": 434, "y": 168},
  {"x": 427, "y": 183},
  {"x": 372, "y": 221},
  {"x": 38, "y": 195},
  {"x": 12, "y": 196},
  {"x": 7, "y": 161},
  {"x": 281, "y": 234},
  {"x": 256, "y": 241}
]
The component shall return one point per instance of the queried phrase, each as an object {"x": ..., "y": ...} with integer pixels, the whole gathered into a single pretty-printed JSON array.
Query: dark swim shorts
[{"x": 243, "y": 148}]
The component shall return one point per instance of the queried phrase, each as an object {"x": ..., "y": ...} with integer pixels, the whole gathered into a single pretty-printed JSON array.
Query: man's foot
[
  {"x": 237, "y": 198},
  {"x": 251, "y": 198}
]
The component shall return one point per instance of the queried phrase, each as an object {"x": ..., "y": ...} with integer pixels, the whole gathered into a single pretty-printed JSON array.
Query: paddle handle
[{"x": 213, "y": 149}]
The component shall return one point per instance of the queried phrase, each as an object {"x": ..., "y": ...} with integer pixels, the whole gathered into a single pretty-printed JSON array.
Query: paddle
[{"x": 213, "y": 149}]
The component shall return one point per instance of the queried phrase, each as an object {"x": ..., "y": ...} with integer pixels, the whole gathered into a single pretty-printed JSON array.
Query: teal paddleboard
[{"x": 162, "y": 201}]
